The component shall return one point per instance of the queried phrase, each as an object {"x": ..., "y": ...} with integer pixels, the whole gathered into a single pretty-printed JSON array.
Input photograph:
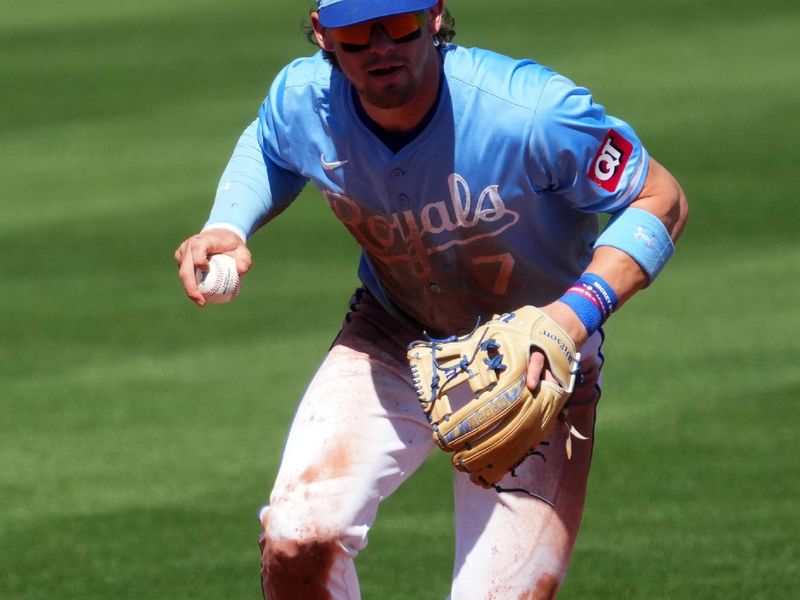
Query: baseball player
[{"x": 472, "y": 183}]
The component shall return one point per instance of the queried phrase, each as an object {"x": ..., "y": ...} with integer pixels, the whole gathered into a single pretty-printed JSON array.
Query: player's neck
[{"x": 407, "y": 117}]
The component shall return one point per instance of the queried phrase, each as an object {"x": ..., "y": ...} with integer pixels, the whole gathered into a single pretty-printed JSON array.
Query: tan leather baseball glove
[{"x": 473, "y": 391}]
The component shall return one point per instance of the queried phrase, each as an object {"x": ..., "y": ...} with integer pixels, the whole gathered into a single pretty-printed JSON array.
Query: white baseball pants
[{"x": 359, "y": 433}]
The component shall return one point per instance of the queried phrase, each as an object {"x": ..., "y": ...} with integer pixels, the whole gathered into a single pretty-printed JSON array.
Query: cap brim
[{"x": 349, "y": 12}]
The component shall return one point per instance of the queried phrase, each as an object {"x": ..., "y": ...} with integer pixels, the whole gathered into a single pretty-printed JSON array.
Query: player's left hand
[
  {"x": 538, "y": 370},
  {"x": 495, "y": 421}
]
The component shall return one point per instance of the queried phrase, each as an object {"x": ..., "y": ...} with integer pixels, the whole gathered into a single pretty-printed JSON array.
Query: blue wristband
[
  {"x": 642, "y": 236},
  {"x": 592, "y": 299},
  {"x": 587, "y": 312}
]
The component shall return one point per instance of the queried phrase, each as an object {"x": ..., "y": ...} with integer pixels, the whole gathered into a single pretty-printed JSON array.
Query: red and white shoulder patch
[{"x": 610, "y": 160}]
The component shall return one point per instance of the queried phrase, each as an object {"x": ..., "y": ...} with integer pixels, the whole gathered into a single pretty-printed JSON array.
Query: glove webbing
[{"x": 452, "y": 371}]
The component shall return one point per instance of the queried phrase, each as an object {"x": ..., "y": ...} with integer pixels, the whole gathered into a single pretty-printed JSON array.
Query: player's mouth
[{"x": 384, "y": 70}]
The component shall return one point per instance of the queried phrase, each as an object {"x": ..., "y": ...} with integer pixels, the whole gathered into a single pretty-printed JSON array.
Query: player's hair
[{"x": 443, "y": 37}]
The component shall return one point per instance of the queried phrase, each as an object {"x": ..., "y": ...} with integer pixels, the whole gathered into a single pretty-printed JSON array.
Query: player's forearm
[
  {"x": 243, "y": 193},
  {"x": 252, "y": 189},
  {"x": 622, "y": 274},
  {"x": 615, "y": 274},
  {"x": 662, "y": 197}
]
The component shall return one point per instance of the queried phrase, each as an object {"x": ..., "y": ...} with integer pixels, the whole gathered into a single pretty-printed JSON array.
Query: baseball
[{"x": 221, "y": 282}]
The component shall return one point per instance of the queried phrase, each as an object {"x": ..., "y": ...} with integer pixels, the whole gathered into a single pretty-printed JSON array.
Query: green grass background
[{"x": 139, "y": 435}]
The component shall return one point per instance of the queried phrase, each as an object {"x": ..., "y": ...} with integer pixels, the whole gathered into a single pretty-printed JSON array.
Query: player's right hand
[{"x": 193, "y": 254}]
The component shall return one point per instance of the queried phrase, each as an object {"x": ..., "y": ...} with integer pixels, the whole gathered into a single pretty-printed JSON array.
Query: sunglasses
[{"x": 402, "y": 28}]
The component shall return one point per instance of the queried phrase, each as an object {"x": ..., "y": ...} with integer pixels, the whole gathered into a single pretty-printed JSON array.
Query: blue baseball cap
[{"x": 341, "y": 13}]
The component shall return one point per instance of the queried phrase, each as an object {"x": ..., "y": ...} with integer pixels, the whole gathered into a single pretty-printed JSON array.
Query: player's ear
[
  {"x": 320, "y": 33},
  {"x": 435, "y": 17}
]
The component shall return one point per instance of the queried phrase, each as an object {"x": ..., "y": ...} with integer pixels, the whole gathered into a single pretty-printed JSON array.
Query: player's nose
[{"x": 380, "y": 41}]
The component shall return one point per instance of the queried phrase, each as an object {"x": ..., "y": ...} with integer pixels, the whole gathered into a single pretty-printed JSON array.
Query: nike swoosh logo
[{"x": 330, "y": 166}]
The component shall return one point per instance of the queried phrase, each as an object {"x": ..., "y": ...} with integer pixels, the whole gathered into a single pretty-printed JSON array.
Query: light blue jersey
[{"x": 492, "y": 206}]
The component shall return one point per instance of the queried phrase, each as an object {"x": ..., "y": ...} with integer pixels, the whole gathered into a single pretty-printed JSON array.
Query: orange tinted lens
[
  {"x": 400, "y": 26},
  {"x": 353, "y": 34},
  {"x": 397, "y": 26}
]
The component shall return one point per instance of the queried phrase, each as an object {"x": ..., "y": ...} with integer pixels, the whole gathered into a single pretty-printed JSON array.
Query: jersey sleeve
[
  {"x": 257, "y": 184},
  {"x": 578, "y": 152}
]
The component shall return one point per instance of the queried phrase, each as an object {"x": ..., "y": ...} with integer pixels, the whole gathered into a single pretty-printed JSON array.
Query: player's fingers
[
  {"x": 535, "y": 368},
  {"x": 538, "y": 371},
  {"x": 189, "y": 281},
  {"x": 194, "y": 248},
  {"x": 244, "y": 259},
  {"x": 181, "y": 252},
  {"x": 191, "y": 255},
  {"x": 224, "y": 241}
]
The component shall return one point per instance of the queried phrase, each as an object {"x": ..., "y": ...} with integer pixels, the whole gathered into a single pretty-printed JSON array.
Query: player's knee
[
  {"x": 300, "y": 549},
  {"x": 297, "y": 568},
  {"x": 546, "y": 588}
]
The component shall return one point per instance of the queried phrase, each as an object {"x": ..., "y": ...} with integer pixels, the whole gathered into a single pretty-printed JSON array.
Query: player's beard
[
  {"x": 397, "y": 79},
  {"x": 392, "y": 95}
]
